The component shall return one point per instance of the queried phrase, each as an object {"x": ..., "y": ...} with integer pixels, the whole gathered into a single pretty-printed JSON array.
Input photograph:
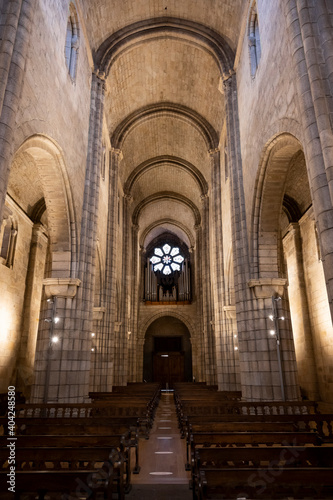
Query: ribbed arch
[
  {"x": 170, "y": 26},
  {"x": 171, "y": 160},
  {"x": 166, "y": 195}
]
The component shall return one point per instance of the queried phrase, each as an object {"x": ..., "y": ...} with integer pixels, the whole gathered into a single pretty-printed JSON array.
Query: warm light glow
[
  {"x": 93, "y": 334},
  {"x": 55, "y": 339},
  {"x": 93, "y": 349},
  {"x": 236, "y": 348},
  {"x": 272, "y": 332},
  {"x": 5, "y": 322},
  {"x": 282, "y": 318},
  {"x": 235, "y": 336},
  {"x": 56, "y": 319},
  {"x": 271, "y": 317},
  {"x": 164, "y": 355}
]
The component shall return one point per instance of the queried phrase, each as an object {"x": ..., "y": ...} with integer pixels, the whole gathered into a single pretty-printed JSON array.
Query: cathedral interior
[{"x": 166, "y": 197}]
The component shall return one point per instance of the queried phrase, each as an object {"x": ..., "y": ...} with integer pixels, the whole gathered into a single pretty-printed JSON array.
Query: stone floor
[{"x": 162, "y": 459}]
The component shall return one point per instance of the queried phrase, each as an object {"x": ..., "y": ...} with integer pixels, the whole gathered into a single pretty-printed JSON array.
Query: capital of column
[
  {"x": 98, "y": 313},
  {"x": 99, "y": 74},
  {"x": 39, "y": 231},
  {"x": 292, "y": 230},
  {"x": 230, "y": 312},
  {"x": 128, "y": 197},
  {"x": 213, "y": 152},
  {"x": 264, "y": 288},
  {"x": 61, "y": 287},
  {"x": 117, "y": 152},
  {"x": 227, "y": 82}
]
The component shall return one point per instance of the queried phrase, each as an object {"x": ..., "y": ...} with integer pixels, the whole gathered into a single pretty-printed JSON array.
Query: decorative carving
[
  {"x": 230, "y": 312},
  {"x": 264, "y": 288},
  {"x": 98, "y": 313},
  {"x": 61, "y": 287}
]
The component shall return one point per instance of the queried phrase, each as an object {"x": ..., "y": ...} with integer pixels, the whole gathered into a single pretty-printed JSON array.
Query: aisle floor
[{"x": 162, "y": 459}]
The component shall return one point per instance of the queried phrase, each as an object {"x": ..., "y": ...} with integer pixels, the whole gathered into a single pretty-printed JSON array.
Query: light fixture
[
  {"x": 235, "y": 336},
  {"x": 50, "y": 301},
  {"x": 272, "y": 332},
  {"x": 164, "y": 355},
  {"x": 56, "y": 319},
  {"x": 271, "y": 317},
  {"x": 93, "y": 349},
  {"x": 93, "y": 334},
  {"x": 55, "y": 339},
  {"x": 236, "y": 348}
]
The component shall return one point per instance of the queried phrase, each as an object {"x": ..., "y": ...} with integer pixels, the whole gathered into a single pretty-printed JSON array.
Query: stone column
[
  {"x": 107, "y": 350},
  {"x": 307, "y": 371},
  {"x": 56, "y": 364},
  {"x": 217, "y": 279},
  {"x": 70, "y": 382},
  {"x": 134, "y": 287},
  {"x": 316, "y": 113},
  {"x": 31, "y": 308},
  {"x": 231, "y": 356},
  {"x": 260, "y": 377},
  {"x": 121, "y": 346},
  {"x": 208, "y": 341},
  {"x": 13, "y": 53}
]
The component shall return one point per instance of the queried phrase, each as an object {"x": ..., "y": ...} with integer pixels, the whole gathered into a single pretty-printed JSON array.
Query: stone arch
[
  {"x": 144, "y": 30},
  {"x": 268, "y": 200},
  {"x": 170, "y": 196},
  {"x": 48, "y": 157},
  {"x": 171, "y": 109},
  {"x": 167, "y": 311},
  {"x": 172, "y": 160},
  {"x": 162, "y": 222}
]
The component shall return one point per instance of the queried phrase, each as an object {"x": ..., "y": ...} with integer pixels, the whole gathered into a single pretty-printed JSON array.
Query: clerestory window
[
  {"x": 254, "y": 39},
  {"x": 167, "y": 259},
  {"x": 72, "y": 42}
]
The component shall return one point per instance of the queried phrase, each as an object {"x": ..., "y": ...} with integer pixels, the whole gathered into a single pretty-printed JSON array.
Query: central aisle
[{"x": 162, "y": 458}]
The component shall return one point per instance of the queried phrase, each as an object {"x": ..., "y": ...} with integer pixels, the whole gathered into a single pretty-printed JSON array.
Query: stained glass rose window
[{"x": 166, "y": 259}]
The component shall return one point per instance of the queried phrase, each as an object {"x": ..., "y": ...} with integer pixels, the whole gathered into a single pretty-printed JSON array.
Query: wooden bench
[
  {"x": 321, "y": 423},
  {"x": 230, "y": 439},
  {"x": 264, "y": 483},
  {"x": 90, "y": 482},
  {"x": 117, "y": 445}
]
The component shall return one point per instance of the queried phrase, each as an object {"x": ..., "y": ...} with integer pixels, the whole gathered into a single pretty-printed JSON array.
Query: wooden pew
[
  {"x": 264, "y": 483},
  {"x": 40, "y": 453},
  {"x": 230, "y": 439},
  {"x": 90, "y": 482},
  {"x": 321, "y": 423}
]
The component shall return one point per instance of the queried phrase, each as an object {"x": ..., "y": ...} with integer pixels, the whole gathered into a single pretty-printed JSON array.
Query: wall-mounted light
[
  {"x": 55, "y": 339},
  {"x": 56, "y": 320},
  {"x": 236, "y": 348},
  {"x": 93, "y": 334},
  {"x": 272, "y": 332},
  {"x": 164, "y": 355},
  {"x": 93, "y": 349}
]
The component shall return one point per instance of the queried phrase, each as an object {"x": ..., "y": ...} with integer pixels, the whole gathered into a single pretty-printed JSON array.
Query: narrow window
[
  {"x": 254, "y": 39},
  {"x": 72, "y": 42},
  {"x": 8, "y": 240},
  {"x": 226, "y": 165}
]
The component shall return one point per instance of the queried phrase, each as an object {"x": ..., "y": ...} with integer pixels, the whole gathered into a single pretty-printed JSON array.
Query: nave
[{"x": 141, "y": 443}]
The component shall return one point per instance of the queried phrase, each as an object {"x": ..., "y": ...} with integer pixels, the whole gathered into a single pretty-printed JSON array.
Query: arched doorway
[{"x": 167, "y": 352}]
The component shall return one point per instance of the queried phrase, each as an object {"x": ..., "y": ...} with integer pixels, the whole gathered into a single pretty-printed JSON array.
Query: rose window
[{"x": 166, "y": 259}]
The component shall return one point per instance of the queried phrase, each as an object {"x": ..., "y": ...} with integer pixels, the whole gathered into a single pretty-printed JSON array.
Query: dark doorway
[
  {"x": 167, "y": 352},
  {"x": 168, "y": 367}
]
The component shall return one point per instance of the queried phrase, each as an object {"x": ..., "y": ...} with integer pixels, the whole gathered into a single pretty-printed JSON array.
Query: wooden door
[{"x": 168, "y": 367}]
